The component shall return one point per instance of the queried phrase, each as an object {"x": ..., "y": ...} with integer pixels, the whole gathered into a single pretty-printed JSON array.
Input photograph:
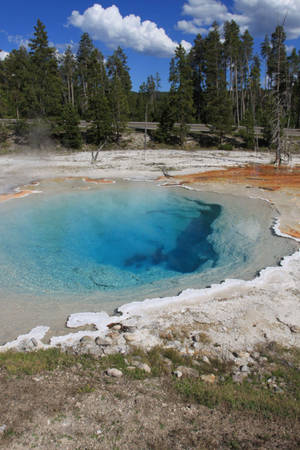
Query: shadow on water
[{"x": 192, "y": 248}]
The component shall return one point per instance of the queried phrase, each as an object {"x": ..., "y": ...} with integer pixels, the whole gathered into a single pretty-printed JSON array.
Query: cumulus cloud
[
  {"x": 259, "y": 16},
  {"x": 3, "y": 55},
  {"x": 109, "y": 26}
]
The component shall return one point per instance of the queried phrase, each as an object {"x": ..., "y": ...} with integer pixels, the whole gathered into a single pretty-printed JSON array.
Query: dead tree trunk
[{"x": 95, "y": 153}]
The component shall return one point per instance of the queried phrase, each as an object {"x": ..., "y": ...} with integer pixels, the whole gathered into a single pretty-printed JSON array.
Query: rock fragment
[
  {"x": 211, "y": 378},
  {"x": 188, "y": 371},
  {"x": 115, "y": 373},
  {"x": 142, "y": 366}
]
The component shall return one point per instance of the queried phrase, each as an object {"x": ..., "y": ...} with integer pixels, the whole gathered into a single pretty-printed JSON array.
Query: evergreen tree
[
  {"x": 181, "y": 93},
  {"x": 197, "y": 61},
  {"x": 220, "y": 114},
  {"x": 165, "y": 131},
  {"x": 18, "y": 81},
  {"x": 46, "y": 82},
  {"x": 3, "y": 91},
  {"x": 119, "y": 106},
  {"x": 120, "y": 86},
  {"x": 277, "y": 71},
  {"x": 249, "y": 134},
  {"x": 245, "y": 64},
  {"x": 71, "y": 135},
  {"x": 255, "y": 90},
  {"x": 101, "y": 130},
  {"x": 68, "y": 73},
  {"x": 117, "y": 67},
  {"x": 266, "y": 52},
  {"x": 214, "y": 69},
  {"x": 232, "y": 51},
  {"x": 84, "y": 53}
]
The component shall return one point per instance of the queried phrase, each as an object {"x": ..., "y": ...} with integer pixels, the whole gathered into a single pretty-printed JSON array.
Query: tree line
[{"x": 220, "y": 82}]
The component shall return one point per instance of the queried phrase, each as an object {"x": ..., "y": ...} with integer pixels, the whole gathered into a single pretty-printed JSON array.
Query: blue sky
[{"x": 147, "y": 30}]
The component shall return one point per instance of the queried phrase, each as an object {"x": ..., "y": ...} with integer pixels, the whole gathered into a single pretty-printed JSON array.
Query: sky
[{"x": 148, "y": 31}]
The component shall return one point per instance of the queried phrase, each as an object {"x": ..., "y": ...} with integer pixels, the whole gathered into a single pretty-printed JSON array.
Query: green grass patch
[
  {"x": 30, "y": 363},
  {"x": 240, "y": 397},
  {"x": 253, "y": 394}
]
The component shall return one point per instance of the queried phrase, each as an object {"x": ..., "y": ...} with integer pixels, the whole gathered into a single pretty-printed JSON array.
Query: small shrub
[
  {"x": 225, "y": 147},
  {"x": 4, "y": 133},
  {"x": 21, "y": 130}
]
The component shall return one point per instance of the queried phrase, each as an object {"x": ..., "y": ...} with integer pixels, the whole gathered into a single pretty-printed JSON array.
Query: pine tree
[
  {"x": 277, "y": 71},
  {"x": 101, "y": 130},
  {"x": 3, "y": 91},
  {"x": 232, "y": 51},
  {"x": 255, "y": 90},
  {"x": 18, "y": 80},
  {"x": 117, "y": 67},
  {"x": 249, "y": 134},
  {"x": 71, "y": 135},
  {"x": 84, "y": 53},
  {"x": 266, "y": 52},
  {"x": 214, "y": 69},
  {"x": 46, "y": 82},
  {"x": 165, "y": 131},
  {"x": 220, "y": 114},
  {"x": 245, "y": 65},
  {"x": 119, "y": 90},
  {"x": 119, "y": 107},
  {"x": 181, "y": 93},
  {"x": 68, "y": 71},
  {"x": 197, "y": 62}
]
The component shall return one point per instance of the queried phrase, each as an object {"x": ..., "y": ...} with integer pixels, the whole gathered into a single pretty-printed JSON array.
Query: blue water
[
  {"x": 128, "y": 241},
  {"x": 110, "y": 238},
  {"x": 73, "y": 249}
]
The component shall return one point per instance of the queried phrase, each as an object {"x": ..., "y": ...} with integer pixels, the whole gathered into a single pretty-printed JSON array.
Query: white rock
[
  {"x": 177, "y": 373},
  {"x": 211, "y": 378},
  {"x": 238, "y": 377},
  {"x": 105, "y": 341},
  {"x": 188, "y": 371},
  {"x": 115, "y": 373},
  {"x": 129, "y": 337},
  {"x": 205, "y": 359},
  {"x": 142, "y": 366},
  {"x": 145, "y": 367},
  {"x": 3, "y": 428}
]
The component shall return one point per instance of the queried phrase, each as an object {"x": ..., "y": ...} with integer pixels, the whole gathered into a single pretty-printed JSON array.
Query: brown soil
[{"x": 73, "y": 409}]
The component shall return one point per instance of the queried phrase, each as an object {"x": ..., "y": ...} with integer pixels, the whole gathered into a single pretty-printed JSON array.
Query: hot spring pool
[{"x": 74, "y": 248}]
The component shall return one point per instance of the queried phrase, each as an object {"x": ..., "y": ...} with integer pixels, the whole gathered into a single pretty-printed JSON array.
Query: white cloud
[
  {"x": 3, "y": 55},
  {"x": 259, "y": 16},
  {"x": 19, "y": 40},
  {"x": 109, "y": 26}
]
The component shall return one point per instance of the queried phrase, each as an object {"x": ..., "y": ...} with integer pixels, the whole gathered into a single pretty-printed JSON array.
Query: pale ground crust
[{"x": 235, "y": 314}]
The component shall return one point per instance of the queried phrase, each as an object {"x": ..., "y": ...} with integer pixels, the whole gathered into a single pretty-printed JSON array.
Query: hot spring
[{"x": 79, "y": 248}]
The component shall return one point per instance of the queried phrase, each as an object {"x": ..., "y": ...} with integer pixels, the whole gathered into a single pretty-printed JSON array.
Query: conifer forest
[{"x": 220, "y": 82}]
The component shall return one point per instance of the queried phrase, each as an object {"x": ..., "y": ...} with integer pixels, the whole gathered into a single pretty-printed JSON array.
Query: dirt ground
[{"x": 71, "y": 409}]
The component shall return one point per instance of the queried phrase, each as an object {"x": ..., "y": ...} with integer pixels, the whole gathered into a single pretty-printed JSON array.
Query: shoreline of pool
[{"x": 226, "y": 312}]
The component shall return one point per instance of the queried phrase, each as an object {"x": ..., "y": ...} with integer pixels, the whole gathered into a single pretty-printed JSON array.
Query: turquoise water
[
  {"x": 106, "y": 239},
  {"x": 77, "y": 248}
]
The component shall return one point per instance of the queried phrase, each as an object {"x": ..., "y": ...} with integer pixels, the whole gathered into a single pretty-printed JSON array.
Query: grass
[
  {"x": 242, "y": 397},
  {"x": 31, "y": 363},
  {"x": 253, "y": 395}
]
